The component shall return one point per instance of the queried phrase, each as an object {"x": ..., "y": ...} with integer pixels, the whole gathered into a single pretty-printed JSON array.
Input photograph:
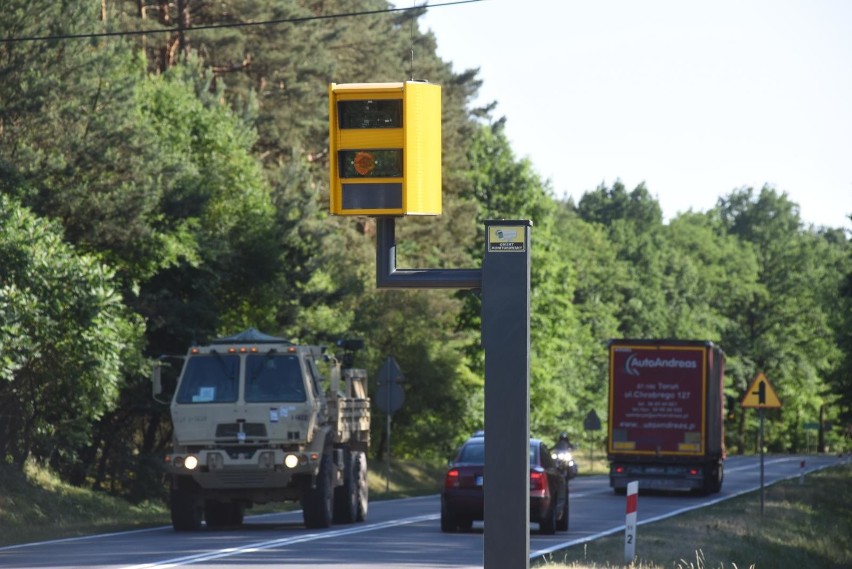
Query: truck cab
[{"x": 255, "y": 420}]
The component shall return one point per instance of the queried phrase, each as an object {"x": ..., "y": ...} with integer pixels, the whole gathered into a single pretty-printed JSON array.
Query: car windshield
[
  {"x": 274, "y": 378},
  {"x": 209, "y": 379},
  {"x": 473, "y": 452}
]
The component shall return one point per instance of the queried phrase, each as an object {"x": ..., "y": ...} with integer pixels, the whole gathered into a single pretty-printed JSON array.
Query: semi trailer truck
[{"x": 666, "y": 415}]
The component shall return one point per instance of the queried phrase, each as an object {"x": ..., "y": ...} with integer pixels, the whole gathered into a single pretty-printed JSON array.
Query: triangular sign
[{"x": 760, "y": 394}]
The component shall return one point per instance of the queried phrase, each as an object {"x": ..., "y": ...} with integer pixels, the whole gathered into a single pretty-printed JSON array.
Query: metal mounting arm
[{"x": 388, "y": 276}]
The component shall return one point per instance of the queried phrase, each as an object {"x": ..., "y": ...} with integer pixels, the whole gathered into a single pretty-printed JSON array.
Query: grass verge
[
  {"x": 36, "y": 506},
  {"x": 807, "y": 525}
]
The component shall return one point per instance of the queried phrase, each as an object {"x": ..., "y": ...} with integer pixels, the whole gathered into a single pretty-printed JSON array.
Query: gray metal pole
[
  {"x": 388, "y": 276},
  {"x": 388, "y": 417},
  {"x": 761, "y": 461},
  {"x": 506, "y": 339}
]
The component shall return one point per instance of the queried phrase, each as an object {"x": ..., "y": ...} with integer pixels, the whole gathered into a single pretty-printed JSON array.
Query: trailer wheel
[
  {"x": 186, "y": 509},
  {"x": 318, "y": 499},
  {"x": 346, "y": 495},
  {"x": 718, "y": 476}
]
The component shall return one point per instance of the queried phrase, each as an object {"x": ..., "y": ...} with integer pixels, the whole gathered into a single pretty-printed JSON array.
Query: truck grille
[
  {"x": 242, "y": 478},
  {"x": 231, "y": 430}
]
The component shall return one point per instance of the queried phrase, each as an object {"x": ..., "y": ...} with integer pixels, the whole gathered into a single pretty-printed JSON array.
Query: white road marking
[{"x": 263, "y": 545}]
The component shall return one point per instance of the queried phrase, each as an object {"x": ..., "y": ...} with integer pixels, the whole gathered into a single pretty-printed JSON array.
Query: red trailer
[{"x": 666, "y": 415}]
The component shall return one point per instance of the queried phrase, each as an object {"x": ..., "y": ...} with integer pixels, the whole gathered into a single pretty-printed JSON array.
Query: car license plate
[{"x": 479, "y": 480}]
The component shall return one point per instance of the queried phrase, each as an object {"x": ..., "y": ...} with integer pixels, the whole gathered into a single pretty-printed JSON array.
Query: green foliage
[
  {"x": 784, "y": 329},
  {"x": 64, "y": 330},
  {"x": 564, "y": 353}
]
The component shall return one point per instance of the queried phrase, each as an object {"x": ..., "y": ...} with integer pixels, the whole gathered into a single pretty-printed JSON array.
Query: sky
[{"x": 693, "y": 98}]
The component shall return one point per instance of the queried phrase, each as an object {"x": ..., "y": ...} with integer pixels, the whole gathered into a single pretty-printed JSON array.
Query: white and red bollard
[{"x": 630, "y": 522}]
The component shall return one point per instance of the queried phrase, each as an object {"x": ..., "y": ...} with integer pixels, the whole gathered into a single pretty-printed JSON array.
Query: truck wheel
[
  {"x": 186, "y": 508},
  {"x": 562, "y": 523},
  {"x": 346, "y": 495},
  {"x": 317, "y": 501},
  {"x": 361, "y": 485}
]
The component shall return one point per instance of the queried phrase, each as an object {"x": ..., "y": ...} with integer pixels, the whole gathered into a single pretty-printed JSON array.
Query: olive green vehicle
[{"x": 259, "y": 419}]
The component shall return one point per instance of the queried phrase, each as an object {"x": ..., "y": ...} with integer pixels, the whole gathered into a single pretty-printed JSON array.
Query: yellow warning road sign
[{"x": 760, "y": 394}]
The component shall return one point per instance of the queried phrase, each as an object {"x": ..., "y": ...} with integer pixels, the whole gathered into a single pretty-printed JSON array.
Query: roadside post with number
[
  {"x": 760, "y": 396},
  {"x": 630, "y": 522},
  {"x": 385, "y": 162}
]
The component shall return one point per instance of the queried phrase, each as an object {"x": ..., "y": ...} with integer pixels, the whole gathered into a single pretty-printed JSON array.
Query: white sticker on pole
[{"x": 630, "y": 522}]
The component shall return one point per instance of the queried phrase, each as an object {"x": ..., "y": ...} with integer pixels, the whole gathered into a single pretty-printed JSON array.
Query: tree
[
  {"x": 784, "y": 330},
  {"x": 634, "y": 223},
  {"x": 561, "y": 345},
  {"x": 841, "y": 378},
  {"x": 65, "y": 337}
]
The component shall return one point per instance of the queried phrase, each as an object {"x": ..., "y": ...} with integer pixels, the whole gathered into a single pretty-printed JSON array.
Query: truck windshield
[
  {"x": 274, "y": 378},
  {"x": 209, "y": 379}
]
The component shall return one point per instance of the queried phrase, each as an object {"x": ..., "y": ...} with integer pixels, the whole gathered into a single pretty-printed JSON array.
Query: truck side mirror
[
  {"x": 160, "y": 393},
  {"x": 157, "y": 381}
]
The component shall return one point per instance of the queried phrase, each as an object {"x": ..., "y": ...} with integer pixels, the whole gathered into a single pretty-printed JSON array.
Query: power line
[{"x": 230, "y": 25}]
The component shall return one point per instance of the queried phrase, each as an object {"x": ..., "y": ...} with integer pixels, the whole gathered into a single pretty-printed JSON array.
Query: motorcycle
[{"x": 565, "y": 462}]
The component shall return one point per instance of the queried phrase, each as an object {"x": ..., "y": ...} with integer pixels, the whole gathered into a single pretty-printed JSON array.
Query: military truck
[{"x": 256, "y": 421}]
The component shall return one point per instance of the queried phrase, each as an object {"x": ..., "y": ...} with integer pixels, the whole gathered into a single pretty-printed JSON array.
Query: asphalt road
[{"x": 402, "y": 534}]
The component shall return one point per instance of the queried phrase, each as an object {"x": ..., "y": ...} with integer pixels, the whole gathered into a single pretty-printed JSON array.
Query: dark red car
[{"x": 462, "y": 500}]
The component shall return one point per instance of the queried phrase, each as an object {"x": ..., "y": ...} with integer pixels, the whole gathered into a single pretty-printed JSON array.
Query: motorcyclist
[
  {"x": 562, "y": 453},
  {"x": 564, "y": 443}
]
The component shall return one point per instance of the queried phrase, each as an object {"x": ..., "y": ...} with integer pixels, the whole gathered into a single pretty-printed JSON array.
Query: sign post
[
  {"x": 760, "y": 396},
  {"x": 389, "y": 399}
]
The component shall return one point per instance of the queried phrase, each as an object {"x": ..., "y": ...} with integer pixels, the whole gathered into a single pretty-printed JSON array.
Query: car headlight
[{"x": 190, "y": 462}]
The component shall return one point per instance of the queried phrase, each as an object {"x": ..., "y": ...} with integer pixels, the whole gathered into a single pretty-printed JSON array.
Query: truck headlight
[
  {"x": 190, "y": 462},
  {"x": 291, "y": 461}
]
